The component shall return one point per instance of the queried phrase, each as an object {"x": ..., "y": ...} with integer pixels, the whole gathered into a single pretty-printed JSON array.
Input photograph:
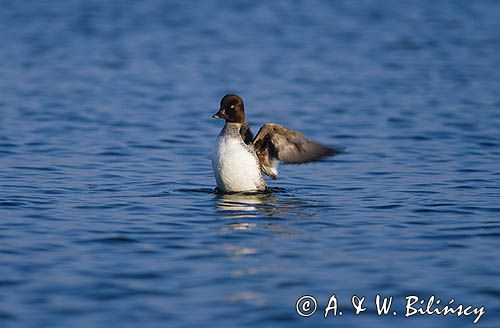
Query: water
[{"x": 106, "y": 203}]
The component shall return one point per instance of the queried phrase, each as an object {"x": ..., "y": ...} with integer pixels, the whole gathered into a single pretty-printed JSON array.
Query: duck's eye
[{"x": 232, "y": 107}]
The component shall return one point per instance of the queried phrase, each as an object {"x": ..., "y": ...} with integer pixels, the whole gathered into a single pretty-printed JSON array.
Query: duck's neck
[{"x": 232, "y": 129}]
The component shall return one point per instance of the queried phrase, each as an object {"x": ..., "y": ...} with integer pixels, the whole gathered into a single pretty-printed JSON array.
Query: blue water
[{"x": 107, "y": 215}]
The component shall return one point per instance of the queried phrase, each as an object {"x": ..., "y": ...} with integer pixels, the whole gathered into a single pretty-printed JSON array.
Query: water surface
[{"x": 107, "y": 210}]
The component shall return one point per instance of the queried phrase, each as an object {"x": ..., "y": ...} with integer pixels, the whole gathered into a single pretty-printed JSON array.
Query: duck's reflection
[
  {"x": 259, "y": 205},
  {"x": 240, "y": 225},
  {"x": 249, "y": 217},
  {"x": 242, "y": 205}
]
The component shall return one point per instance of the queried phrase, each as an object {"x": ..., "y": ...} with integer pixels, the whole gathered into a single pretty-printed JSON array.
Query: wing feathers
[{"x": 274, "y": 142}]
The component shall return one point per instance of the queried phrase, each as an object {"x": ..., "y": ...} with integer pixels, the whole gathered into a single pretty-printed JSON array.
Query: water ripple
[{"x": 108, "y": 209}]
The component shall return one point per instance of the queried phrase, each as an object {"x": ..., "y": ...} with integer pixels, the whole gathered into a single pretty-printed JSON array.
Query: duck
[{"x": 240, "y": 159}]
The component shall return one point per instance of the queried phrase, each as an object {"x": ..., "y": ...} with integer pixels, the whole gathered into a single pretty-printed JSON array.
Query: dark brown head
[{"x": 231, "y": 109}]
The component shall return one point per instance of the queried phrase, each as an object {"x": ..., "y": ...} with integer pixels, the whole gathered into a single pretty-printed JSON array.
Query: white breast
[{"x": 235, "y": 167}]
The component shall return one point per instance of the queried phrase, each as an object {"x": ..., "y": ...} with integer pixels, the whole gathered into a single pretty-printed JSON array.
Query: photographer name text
[{"x": 307, "y": 305}]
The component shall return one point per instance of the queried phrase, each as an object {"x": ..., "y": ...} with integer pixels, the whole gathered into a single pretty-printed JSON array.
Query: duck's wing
[
  {"x": 274, "y": 143},
  {"x": 246, "y": 133}
]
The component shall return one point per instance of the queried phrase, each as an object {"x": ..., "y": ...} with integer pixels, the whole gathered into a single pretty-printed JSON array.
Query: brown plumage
[{"x": 274, "y": 143}]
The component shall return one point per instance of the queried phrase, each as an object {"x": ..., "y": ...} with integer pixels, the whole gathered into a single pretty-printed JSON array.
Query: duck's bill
[{"x": 219, "y": 114}]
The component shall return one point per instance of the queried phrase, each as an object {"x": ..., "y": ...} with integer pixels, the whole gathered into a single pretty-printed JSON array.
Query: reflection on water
[
  {"x": 273, "y": 204},
  {"x": 269, "y": 211},
  {"x": 237, "y": 203}
]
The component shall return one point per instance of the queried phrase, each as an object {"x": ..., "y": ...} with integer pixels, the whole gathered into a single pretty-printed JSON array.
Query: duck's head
[{"x": 231, "y": 109}]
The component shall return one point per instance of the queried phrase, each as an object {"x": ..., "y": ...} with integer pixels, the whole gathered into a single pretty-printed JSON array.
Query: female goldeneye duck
[{"x": 240, "y": 159}]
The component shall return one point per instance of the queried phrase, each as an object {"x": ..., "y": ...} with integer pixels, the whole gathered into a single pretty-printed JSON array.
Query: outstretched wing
[{"x": 275, "y": 143}]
